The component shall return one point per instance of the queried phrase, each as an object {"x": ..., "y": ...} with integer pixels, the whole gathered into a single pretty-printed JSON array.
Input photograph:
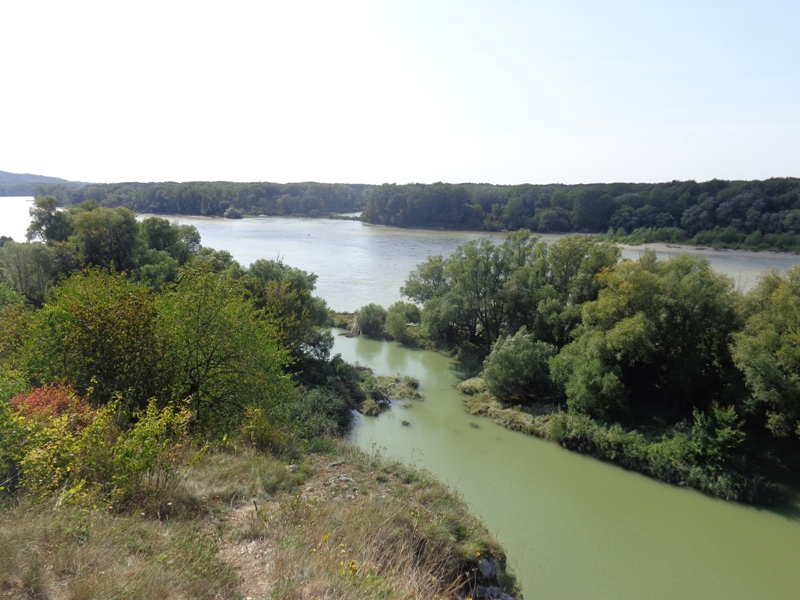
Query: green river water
[{"x": 574, "y": 527}]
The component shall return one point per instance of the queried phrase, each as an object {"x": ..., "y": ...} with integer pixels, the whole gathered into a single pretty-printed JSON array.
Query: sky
[{"x": 401, "y": 91}]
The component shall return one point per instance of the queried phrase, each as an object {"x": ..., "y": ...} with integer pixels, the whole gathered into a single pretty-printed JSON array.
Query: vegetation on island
[
  {"x": 217, "y": 198},
  {"x": 170, "y": 423},
  {"x": 755, "y": 215},
  {"x": 659, "y": 366}
]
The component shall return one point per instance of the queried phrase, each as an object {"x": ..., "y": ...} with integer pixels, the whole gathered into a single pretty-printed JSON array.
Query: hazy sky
[{"x": 498, "y": 91}]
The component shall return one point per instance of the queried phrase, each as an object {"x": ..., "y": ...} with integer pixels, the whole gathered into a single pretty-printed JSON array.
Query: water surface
[{"x": 574, "y": 527}]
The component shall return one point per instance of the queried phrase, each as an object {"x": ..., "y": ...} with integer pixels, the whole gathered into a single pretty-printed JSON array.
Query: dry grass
[
  {"x": 71, "y": 554},
  {"x": 246, "y": 525}
]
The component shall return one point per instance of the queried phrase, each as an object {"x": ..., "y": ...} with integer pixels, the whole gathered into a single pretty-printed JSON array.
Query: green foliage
[
  {"x": 284, "y": 294},
  {"x": 768, "y": 351},
  {"x": 54, "y": 443},
  {"x": 28, "y": 268},
  {"x": 369, "y": 321},
  {"x": 98, "y": 332},
  {"x": 716, "y": 437},
  {"x": 517, "y": 368},
  {"x": 399, "y": 316},
  {"x": 216, "y": 198},
  {"x": 219, "y": 353},
  {"x": 484, "y": 291},
  {"x": 317, "y": 413},
  {"x": 145, "y": 458},
  {"x": 675, "y": 456},
  {"x": 48, "y": 223},
  {"x": 751, "y": 214},
  {"x": 105, "y": 237},
  {"x": 395, "y": 325},
  {"x": 657, "y": 336}
]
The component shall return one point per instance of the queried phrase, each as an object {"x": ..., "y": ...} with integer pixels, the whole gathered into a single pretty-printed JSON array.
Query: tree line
[
  {"x": 661, "y": 366},
  {"x": 217, "y": 198},
  {"x": 747, "y": 214},
  {"x": 734, "y": 214}
]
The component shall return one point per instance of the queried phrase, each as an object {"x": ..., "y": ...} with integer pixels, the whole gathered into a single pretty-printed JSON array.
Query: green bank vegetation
[
  {"x": 756, "y": 215},
  {"x": 153, "y": 391},
  {"x": 659, "y": 366}
]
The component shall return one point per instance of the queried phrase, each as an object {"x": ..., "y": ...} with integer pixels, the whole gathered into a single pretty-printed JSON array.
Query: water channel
[{"x": 575, "y": 528}]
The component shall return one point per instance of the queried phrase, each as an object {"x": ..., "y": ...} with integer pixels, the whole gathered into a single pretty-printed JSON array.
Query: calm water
[
  {"x": 357, "y": 264},
  {"x": 575, "y": 528}
]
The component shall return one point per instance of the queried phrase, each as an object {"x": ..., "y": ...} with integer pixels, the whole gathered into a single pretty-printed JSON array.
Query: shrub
[
  {"x": 369, "y": 320},
  {"x": 54, "y": 443},
  {"x": 517, "y": 367}
]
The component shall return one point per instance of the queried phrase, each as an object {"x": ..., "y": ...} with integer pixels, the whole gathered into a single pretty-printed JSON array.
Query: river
[
  {"x": 574, "y": 527},
  {"x": 357, "y": 263}
]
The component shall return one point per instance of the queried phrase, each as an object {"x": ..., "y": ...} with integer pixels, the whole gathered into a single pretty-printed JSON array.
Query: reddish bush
[{"x": 52, "y": 401}]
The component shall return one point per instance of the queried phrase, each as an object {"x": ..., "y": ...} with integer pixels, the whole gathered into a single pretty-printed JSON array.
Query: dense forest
[
  {"x": 218, "y": 198},
  {"x": 152, "y": 388},
  {"x": 659, "y": 366},
  {"x": 748, "y": 214},
  {"x": 737, "y": 214}
]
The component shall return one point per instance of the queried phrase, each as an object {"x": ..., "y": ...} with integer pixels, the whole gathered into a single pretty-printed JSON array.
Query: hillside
[{"x": 23, "y": 184}]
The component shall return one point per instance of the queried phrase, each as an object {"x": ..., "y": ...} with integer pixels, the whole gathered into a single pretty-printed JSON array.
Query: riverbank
[
  {"x": 246, "y": 524},
  {"x": 668, "y": 455}
]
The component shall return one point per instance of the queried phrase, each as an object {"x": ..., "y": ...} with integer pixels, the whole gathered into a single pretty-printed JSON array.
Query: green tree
[
  {"x": 221, "y": 356},
  {"x": 47, "y": 222},
  {"x": 767, "y": 351},
  {"x": 97, "y": 331},
  {"x": 28, "y": 268},
  {"x": 426, "y": 281},
  {"x": 395, "y": 325},
  {"x": 369, "y": 320},
  {"x": 105, "y": 237},
  {"x": 657, "y": 336},
  {"x": 285, "y": 294},
  {"x": 517, "y": 368}
]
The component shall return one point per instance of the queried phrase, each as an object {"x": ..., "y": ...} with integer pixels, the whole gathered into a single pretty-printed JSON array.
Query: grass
[{"x": 241, "y": 523}]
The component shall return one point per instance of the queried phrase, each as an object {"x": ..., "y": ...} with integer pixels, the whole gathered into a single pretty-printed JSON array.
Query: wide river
[{"x": 574, "y": 527}]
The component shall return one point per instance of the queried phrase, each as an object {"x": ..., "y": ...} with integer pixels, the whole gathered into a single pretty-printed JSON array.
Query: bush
[
  {"x": 369, "y": 321},
  {"x": 54, "y": 443},
  {"x": 517, "y": 368}
]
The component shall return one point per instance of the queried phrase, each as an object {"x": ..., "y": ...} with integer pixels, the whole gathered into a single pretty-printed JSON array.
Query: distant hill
[{"x": 22, "y": 184}]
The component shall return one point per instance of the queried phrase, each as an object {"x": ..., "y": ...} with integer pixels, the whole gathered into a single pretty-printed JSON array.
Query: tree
[
  {"x": 97, "y": 332},
  {"x": 221, "y": 356},
  {"x": 395, "y": 325},
  {"x": 47, "y": 222},
  {"x": 426, "y": 281},
  {"x": 181, "y": 242},
  {"x": 657, "y": 336},
  {"x": 517, "y": 368},
  {"x": 105, "y": 237},
  {"x": 285, "y": 295},
  {"x": 369, "y": 320},
  {"x": 768, "y": 351},
  {"x": 28, "y": 268}
]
